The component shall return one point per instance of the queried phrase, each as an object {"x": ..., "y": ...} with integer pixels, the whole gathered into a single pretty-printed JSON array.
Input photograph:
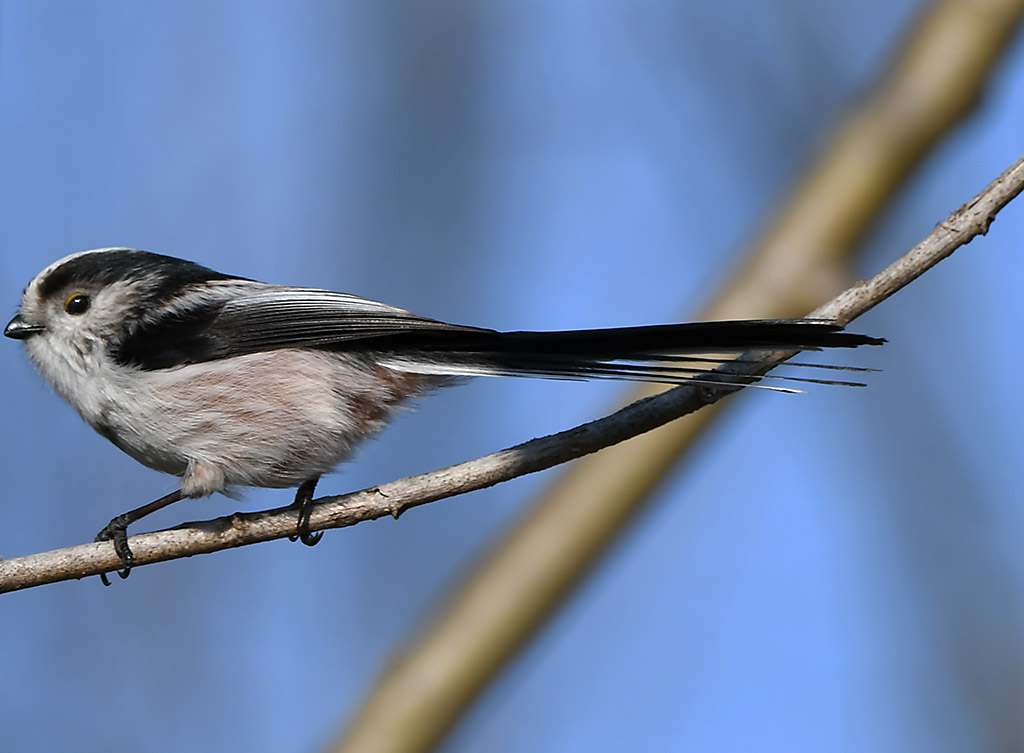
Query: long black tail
[{"x": 667, "y": 353}]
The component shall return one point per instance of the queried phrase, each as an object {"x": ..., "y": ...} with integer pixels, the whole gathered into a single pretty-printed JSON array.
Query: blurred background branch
[{"x": 938, "y": 73}]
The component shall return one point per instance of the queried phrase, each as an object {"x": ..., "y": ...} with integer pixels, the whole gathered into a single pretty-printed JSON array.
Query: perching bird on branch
[{"x": 225, "y": 381}]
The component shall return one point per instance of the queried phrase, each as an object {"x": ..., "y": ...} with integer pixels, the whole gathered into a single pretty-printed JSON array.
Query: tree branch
[{"x": 242, "y": 529}]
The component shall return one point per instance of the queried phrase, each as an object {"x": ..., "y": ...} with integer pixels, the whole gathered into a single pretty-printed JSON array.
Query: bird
[{"x": 227, "y": 382}]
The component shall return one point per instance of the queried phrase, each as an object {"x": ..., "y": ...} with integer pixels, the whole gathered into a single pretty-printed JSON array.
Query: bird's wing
[{"x": 245, "y": 317}]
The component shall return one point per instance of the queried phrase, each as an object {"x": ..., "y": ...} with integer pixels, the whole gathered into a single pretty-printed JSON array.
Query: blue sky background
[{"x": 839, "y": 571}]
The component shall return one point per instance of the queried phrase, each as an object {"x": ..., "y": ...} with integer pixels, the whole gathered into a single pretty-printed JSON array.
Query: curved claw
[{"x": 311, "y": 538}]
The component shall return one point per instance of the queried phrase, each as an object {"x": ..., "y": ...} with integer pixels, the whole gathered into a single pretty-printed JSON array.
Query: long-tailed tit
[{"x": 225, "y": 381}]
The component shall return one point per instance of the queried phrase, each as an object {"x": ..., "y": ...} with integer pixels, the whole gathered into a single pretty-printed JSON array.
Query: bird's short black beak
[{"x": 19, "y": 329}]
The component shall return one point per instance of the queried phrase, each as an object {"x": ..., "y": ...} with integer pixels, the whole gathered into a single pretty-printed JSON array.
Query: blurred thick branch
[
  {"x": 396, "y": 497},
  {"x": 935, "y": 79}
]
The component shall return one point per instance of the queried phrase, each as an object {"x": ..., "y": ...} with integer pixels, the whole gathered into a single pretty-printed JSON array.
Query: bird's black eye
[{"x": 77, "y": 304}]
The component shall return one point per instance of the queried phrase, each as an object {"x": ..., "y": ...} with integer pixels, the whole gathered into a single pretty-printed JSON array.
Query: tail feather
[{"x": 659, "y": 353}]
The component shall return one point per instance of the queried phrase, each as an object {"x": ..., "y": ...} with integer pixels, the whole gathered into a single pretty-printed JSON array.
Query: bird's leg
[
  {"x": 116, "y": 531},
  {"x": 304, "y": 503}
]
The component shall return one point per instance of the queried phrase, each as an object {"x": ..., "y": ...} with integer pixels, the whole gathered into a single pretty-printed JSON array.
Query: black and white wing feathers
[{"x": 239, "y": 317}]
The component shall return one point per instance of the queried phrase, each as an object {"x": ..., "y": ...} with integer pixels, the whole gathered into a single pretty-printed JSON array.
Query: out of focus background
[{"x": 837, "y": 571}]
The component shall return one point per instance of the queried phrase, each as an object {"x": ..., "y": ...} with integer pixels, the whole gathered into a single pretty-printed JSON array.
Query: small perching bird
[{"x": 225, "y": 381}]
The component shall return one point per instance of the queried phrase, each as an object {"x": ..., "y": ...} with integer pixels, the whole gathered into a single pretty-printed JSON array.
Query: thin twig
[{"x": 242, "y": 529}]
